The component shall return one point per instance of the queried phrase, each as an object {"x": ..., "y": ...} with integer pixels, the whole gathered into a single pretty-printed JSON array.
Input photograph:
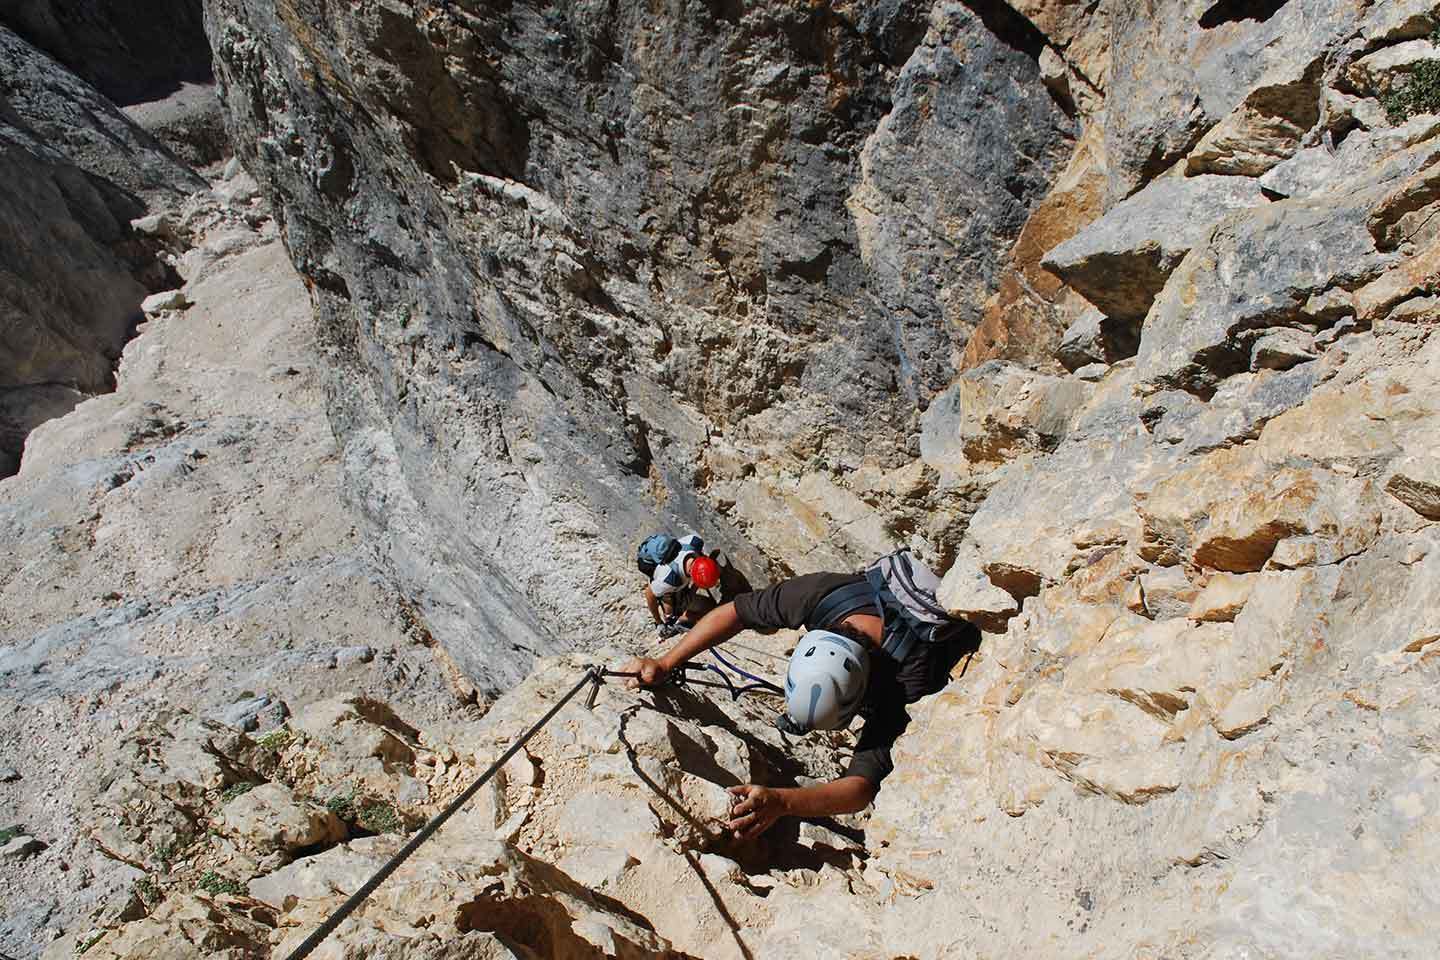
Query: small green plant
[
  {"x": 381, "y": 817},
  {"x": 165, "y": 852},
  {"x": 148, "y": 890},
  {"x": 1420, "y": 94},
  {"x": 342, "y": 805},
  {"x": 10, "y": 833},
  {"x": 276, "y": 740},
  {"x": 236, "y": 790},
  {"x": 86, "y": 945},
  {"x": 216, "y": 884}
]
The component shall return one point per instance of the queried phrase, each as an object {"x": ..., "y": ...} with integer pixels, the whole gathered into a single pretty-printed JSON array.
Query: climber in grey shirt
[{"x": 821, "y": 601}]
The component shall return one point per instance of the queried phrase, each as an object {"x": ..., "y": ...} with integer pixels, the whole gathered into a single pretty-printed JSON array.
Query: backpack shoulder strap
[{"x": 840, "y": 602}]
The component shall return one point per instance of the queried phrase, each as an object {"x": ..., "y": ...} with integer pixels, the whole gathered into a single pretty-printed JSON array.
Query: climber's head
[
  {"x": 704, "y": 572},
  {"x": 826, "y": 681}
]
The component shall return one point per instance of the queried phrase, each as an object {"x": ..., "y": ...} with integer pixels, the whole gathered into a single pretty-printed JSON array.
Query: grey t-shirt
[{"x": 892, "y": 685}]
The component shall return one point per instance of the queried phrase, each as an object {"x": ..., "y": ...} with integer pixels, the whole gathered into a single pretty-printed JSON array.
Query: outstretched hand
[
  {"x": 650, "y": 672},
  {"x": 756, "y": 810}
]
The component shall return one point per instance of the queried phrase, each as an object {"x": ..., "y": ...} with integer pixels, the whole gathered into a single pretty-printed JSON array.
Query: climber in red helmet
[{"x": 678, "y": 570}]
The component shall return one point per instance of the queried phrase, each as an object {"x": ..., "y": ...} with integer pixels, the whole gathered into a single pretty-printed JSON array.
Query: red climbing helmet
[{"x": 705, "y": 572}]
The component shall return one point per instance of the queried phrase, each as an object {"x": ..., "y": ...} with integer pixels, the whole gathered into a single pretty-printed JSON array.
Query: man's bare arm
[
  {"x": 652, "y": 603},
  {"x": 760, "y": 807},
  {"x": 715, "y": 627}
]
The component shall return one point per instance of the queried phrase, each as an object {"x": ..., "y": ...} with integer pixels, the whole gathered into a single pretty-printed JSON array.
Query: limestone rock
[
  {"x": 1415, "y": 275},
  {"x": 1196, "y": 334},
  {"x": 1282, "y": 349},
  {"x": 1231, "y": 510},
  {"x": 270, "y": 817},
  {"x": 183, "y": 925},
  {"x": 966, "y": 592},
  {"x": 1168, "y": 592},
  {"x": 1398, "y": 21},
  {"x": 1122, "y": 261},
  {"x": 1315, "y": 170},
  {"x": 1095, "y": 338},
  {"x": 1378, "y": 73},
  {"x": 166, "y": 300},
  {"x": 340, "y": 870},
  {"x": 994, "y": 412},
  {"x": 1264, "y": 129},
  {"x": 20, "y": 847},
  {"x": 1222, "y": 597},
  {"x": 1171, "y": 84},
  {"x": 1415, "y": 482}
]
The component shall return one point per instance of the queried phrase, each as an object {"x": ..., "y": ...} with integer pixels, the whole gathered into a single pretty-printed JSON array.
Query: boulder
[
  {"x": 1096, "y": 338},
  {"x": 1258, "y": 269},
  {"x": 1123, "y": 260},
  {"x": 165, "y": 300},
  {"x": 1266, "y": 128},
  {"x": 271, "y": 818},
  {"x": 1222, "y": 597},
  {"x": 1282, "y": 348},
  {"x": 1415, "y": 275},
  {"x": 995, "y": 412},
  {"x": 20, "y": 847},
  {"x": 965, "y": 591},
  {"x": 1415, "y": 482}
]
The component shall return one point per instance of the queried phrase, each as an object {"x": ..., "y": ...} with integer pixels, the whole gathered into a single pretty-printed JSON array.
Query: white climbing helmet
[{"x": 826, "y": 681}]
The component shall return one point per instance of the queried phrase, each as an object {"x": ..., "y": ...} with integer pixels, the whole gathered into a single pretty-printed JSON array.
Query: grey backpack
[{"x": 903, "y": 589}]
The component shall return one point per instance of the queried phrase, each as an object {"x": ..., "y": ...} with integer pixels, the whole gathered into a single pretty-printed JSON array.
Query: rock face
[
  {"x": 778, "y": 272},
  {"x": 73, "y": 172},
  {"x": 586, "y": 293},
  {"x": 182, "y": 542},
  {"x": 130, "y": 51}
]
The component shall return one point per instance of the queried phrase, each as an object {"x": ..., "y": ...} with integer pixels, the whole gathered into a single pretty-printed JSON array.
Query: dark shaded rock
[
  {"x": 73, "y": 173},
  {"x": 130, "y": 50},
  {"x": 48, "y": 104},
  {"x": 1096, "y": 338},
  {"x": 189, "y": 122}
]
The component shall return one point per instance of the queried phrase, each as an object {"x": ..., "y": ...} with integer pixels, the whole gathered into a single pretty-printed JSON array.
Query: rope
[
  {"x": 757, "y": 681},
  {"x": 592, "y": 675}
]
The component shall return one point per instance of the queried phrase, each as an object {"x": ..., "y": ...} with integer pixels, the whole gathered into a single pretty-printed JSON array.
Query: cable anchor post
[{"x": 597, "y": 677}]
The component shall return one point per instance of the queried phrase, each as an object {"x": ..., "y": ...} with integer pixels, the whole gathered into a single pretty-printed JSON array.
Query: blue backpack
[{"x": 655, "y": 550}]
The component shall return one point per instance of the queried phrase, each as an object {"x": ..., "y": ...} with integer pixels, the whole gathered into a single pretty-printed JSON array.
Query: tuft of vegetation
[
  {"x": 342, "y": 805},
  {"x": 381, "y": 817},
  {"x": 86, "y": 945},
  {"x": 236, "y": 790},
  {"x": 276, "y": 740},
  {"x": 1420, "y": 94},
  {"x": 165, "y": 852},
  {"x": 10, "y": 833},
  {"x": 148, "y": 890},
  {"x": 216, "y": 884}
]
